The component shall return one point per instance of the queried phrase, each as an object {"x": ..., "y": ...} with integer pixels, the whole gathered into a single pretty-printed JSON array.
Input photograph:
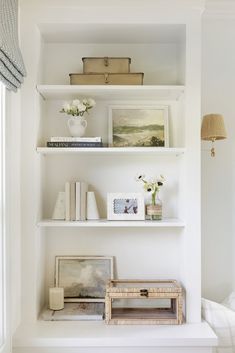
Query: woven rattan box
[{"x": 144, "y": 302}]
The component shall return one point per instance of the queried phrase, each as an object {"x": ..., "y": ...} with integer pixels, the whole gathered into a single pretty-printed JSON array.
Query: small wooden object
[
  {"x": 106, "y": 64},
  {"x": 107, "y": 79},
  {"x": 138, "y": 298}
]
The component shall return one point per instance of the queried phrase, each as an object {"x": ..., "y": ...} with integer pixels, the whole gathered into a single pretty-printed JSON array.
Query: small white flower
[
  {"x": 76, "y": 102},
  {"x": 66, "y": 106},
  {"x": 149, "y": 187},
  {"x": 81, "y": 107},
  {"x": 91, "y": 102},
  {"x": 85, "y": 101},
  {"x": 139, "y": 177}
]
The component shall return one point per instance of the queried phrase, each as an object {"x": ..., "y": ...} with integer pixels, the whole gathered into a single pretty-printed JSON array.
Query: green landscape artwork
[{"x": 138, "y": 128}]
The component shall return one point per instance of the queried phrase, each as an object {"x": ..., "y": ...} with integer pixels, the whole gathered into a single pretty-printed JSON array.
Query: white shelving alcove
[{"x": 165, "y": 45}]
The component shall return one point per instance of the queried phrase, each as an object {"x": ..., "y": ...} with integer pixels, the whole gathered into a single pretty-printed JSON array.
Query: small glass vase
[{"x": 154, "y": 209}]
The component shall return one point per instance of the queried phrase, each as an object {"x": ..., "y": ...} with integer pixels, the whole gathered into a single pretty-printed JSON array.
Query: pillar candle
[{"x": 56, "y": 298}]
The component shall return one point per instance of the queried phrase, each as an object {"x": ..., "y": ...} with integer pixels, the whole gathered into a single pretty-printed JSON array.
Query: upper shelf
[{"x": 148, "y": 92}]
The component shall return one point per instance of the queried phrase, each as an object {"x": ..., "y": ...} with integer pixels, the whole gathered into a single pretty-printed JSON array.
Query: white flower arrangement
[
  {"x": 78, "y": 107},
  {"x": 152, "y": 186}
]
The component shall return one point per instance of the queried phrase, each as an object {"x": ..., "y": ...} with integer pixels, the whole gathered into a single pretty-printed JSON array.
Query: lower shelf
[
  {"x": 98, "y": 334},
  {"x": 167, "y": 222}
]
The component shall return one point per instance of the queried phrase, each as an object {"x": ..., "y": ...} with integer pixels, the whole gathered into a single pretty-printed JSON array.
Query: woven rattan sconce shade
[{"x": 213, "y": 129}]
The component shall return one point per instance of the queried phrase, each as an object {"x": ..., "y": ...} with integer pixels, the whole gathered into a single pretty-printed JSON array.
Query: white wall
[{"x": 218, "y": 185}]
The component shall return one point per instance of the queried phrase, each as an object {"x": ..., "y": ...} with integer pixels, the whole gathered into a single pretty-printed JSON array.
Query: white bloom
[
  {"x": 91, "y": 102},
  {"x": 73, "y": 109},
  {"x": 85, "y": 101},
  {"x": 66, "y": 106},
  {"x": 149, "y": 187},
  {"x": 76, "y": 102},
  {"x": 139, "y": 177},
  {"x": 81, "y": 108}
]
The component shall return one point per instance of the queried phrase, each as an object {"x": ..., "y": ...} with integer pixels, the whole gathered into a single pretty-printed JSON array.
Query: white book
[
  {"x": 84, "y": 189},
  {"x": 78, "y": 201},
  {"x": 72, "y": 201},
  {"x": 76, "y": 139},
  {"x": 67, "y": 201}
]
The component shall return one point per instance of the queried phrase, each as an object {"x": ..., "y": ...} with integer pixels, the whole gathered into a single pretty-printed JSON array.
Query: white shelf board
[
  {"x": 113, "y": 150},
  {"x": 102, "y": 92},
  {"x": 104, "y": 223},
  {"x": 97, "y": 334}
]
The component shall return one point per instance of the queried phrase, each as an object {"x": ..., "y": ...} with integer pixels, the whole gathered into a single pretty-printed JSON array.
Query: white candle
[{"x": 56, "y": 298}]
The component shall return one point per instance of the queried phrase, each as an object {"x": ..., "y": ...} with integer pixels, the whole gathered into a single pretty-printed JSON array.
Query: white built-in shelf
[
  {"x": 97, "y": 334},
  {"x": 104, "y": 223},
  {"x": 145, "y": 92},
  {"x": 113, "y": 150}
]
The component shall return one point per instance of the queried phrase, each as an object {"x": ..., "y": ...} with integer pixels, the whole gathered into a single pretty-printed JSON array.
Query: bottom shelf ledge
[
  {"x": 98, "y": 334},
  {"x": 101, "y": 223}
]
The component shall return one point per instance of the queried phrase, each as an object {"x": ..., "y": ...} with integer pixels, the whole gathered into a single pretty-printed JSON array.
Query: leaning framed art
[
  {"x": 138, "y": 126},
  {"x": 83, "y": 277}
]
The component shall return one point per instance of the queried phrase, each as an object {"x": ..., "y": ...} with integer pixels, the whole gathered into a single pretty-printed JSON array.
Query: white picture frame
[
  {"x": 138, "y": 126},
  {"x": 125, "y": 207},
  {"x": 83, "y": 278}
]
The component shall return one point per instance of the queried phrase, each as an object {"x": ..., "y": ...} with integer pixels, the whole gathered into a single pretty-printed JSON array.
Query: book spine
[
  {"x": 84, "y": 188},
  {"x": 78, "y": 201},
  {"x": 67, "y": 201},
  {"x": 72, "y": 202},
  {"x": 76, "y": 139},
  {"x": 74, "y": 144}
]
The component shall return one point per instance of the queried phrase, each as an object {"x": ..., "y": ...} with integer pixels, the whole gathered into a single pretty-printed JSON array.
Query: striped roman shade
[{"x": 12, "y": 69}]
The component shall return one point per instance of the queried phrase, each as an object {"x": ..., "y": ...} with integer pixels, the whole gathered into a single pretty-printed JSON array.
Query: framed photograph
[
  {"x": 83, "y": 278},
  {"x": 138, "y": 126},
  {"x": 125, "y": 206}
]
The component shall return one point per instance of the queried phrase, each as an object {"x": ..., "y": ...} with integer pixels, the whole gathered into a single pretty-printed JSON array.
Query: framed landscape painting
[
  {"x": 83, "y": 278},
  {"x": 138, "y": 126}
]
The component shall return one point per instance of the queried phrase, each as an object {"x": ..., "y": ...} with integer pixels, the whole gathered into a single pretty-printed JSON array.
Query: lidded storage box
[
  {"x": 107, "y": 79},
  {"x": 106, "y": 64},
  {"x": 144, "y": 302}
]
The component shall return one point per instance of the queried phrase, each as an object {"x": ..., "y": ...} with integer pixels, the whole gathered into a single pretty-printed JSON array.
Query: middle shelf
[
  {"x": 101, "y": 223},
  {"x": 114, "y": 150}
]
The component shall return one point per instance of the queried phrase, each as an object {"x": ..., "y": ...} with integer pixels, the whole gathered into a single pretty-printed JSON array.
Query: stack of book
[
  {"x": 75, "y": 200},
  {"x": 74, "y": 142}
]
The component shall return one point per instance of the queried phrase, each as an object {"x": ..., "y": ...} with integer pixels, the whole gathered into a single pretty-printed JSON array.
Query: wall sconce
[{"x": 213, "y": 129}]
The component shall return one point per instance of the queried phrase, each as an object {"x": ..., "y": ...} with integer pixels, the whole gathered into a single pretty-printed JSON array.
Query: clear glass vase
[{"x": 154, "y": 209}]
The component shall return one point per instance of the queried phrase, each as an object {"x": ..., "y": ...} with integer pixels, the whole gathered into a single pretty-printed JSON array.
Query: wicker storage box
[
  {"x": 106, "y": 64},
  {"x": 144, "y": 302},
  {"x": 107, "y": 79}
]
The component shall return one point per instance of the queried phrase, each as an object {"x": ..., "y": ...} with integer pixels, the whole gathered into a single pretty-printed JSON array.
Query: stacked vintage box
[{"x": 106, "y": 71}]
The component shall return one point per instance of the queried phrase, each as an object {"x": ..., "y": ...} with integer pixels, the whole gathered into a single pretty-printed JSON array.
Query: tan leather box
[
  {"x": 107, "y": 79},
  {"x": 106, "y": 64}
]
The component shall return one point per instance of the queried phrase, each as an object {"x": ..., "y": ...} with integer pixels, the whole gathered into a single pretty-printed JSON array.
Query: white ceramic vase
[{"x": 77, "y": 126}]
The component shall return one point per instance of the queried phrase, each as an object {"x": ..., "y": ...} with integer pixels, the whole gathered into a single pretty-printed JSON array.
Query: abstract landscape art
[
  {"x": 138, "y": 126},
  {"x": 83, "y": 278}
]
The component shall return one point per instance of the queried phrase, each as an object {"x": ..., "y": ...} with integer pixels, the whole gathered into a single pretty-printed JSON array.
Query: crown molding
[{"x": 219, "y": 9}]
